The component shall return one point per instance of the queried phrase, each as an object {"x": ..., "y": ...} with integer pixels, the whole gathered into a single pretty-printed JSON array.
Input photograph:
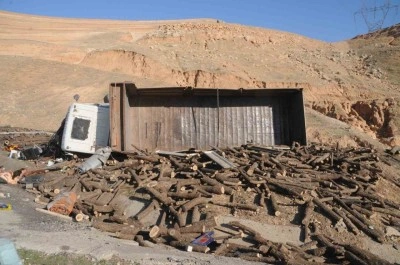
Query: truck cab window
[{"x": 80, "y": 129}]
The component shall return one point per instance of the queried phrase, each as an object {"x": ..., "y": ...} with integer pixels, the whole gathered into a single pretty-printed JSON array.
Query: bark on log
[
  {"x": 347, "y": 221},
  {"x": 368, "y": 257},
  {"x": 237, "y": 205},
  {"x": 274, "y": 204},
  {"x": 142, "y": 242},
  {"x": 391, "y": 212},
  {"x": 331, "y": 214},
  {"x": 160, "y": 197},
  {"x": 197, "y": 201},
  {"x": 195, "y": 214},
  {"x": 184, "y": 195}
]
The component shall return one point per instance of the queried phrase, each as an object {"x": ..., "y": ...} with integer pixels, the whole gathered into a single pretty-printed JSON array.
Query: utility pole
[{"x": 375, "y": 16}]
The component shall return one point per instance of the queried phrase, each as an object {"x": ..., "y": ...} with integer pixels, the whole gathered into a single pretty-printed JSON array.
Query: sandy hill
[{"x": 45, "y": 61}]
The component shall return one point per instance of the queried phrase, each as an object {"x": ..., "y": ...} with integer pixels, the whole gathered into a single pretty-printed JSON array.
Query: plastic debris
[
  {"x": 204, "y": 239},
  {"x": 5, "y": 206},
  {"x": 98, "y": 159},
  {"x": 8, "y": 253}
]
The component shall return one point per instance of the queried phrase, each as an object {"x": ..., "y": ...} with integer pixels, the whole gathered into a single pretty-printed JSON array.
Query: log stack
[{"x": 184, "y": 188}]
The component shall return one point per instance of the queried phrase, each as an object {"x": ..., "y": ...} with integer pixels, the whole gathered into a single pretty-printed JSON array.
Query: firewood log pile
[{"x": 183, "y": 187}]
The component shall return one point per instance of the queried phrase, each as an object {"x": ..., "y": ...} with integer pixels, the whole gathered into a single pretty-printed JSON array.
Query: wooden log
[
  {"x": 249, "y": 179},
  {"x": 84, "y": 209},
  {"x": 250, "y": 170},
  {"x": 364, "y": 211},
  {"x": 309, "y": 245},
  {"x": 223, "y": 176},
  {"x": 347, "y": 221},
  {"x": 230, "y": 232},
  {"x": 274, "y": 204},
  {"x": 388, "y": 211},
  {"x": 377, "y": 235},
  {"x": 378, "y": 199},
  {"x": 180, "y": 218},
  {"x": 186, "y": 182},
  {"x": 195, "y": 214},
  {"x": 394, "y": 221},
  {"x": 214, "y": 182},
  {"x": 317, "y": 251},
  {"x": 184, "y": 195},
  {"x": 157, "y": 231},
  {"x": 178, "y": 244},
  {"x": 338, "y": 250},
  {"x": 307, "y": 212},
  {"x": 120, "y": 219},
  {"x": 321, "y": 159},
  {"x": 142, "y": 242},
  {"x": 367, "y": 257},
  {"x": 330, "y": 214},
  {"x": 221, "y": 249},
  {"x": 219, "y": 189},
  {"x": 208, "y": 225},
  {"x": 90, "y": 195},
  {"x": 104, "y": 198},
  {"x": 237, "y": 205},
  {"x": 295, "y": 191},
  {"x": 262, "y": 201},
  {"x": 197, "y": 201},
  {"x": 160, "y": 197},
  {"x": 78, "y": 215},
  {"x": 354, "y": 259},
  {"x": 151, "y": 159},
  {"x": 197, "y": 227},
  {"x": 146, "y": 211}
]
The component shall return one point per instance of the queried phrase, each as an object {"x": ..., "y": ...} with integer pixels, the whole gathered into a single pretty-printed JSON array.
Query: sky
[{"x": 327, "y": 20}]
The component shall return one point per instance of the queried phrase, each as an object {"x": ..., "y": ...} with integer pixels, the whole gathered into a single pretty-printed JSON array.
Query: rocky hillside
[{"x": 45, "y": 61}]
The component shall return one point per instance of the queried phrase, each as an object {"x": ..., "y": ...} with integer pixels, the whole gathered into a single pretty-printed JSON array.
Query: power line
[{"x": 375, "y": 16}]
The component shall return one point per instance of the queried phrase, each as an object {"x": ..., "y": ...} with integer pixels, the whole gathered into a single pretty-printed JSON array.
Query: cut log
[
  {"x": 329, "y": 212},
  {"x": 195, "y": 214},
  {"x": 197, "y": 201},
  {"x": 160, "y": 197},
  {"x": 274, "y": 204}
]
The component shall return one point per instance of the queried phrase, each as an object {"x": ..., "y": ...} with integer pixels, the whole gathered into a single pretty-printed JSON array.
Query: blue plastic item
[{"x": 8, "y": 253}]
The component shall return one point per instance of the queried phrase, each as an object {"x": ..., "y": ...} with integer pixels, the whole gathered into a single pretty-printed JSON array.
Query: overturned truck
[{"x": 178, "y": 118}]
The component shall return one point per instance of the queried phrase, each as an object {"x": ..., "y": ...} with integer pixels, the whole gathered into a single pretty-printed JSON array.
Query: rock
[
  {"x": 391, "y": 231},
  {"x": 340, "y": 226}
]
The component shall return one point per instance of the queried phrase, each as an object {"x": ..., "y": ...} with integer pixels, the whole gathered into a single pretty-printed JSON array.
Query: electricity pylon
[{"x": 375, "y": 16}]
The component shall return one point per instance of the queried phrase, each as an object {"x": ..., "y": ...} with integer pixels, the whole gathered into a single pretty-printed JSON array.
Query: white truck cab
[{"x": 87, "y": 128}]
